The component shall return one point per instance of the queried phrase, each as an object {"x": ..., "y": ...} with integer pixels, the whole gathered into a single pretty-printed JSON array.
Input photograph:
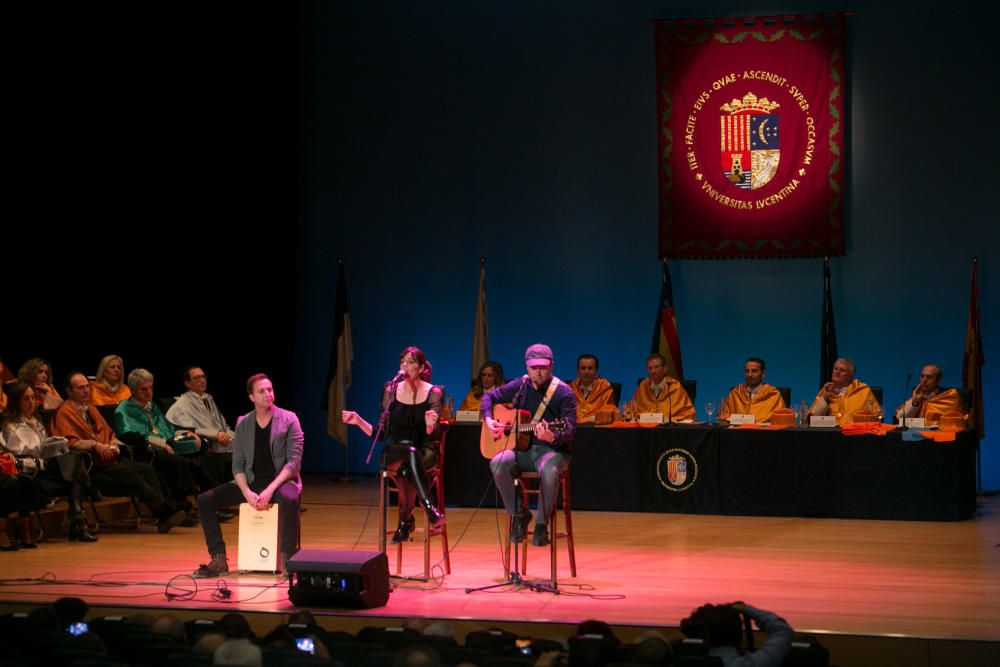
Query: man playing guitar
[{"x": 544, "y": 398}]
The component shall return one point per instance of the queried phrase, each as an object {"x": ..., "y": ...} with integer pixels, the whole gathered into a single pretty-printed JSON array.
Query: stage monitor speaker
[{"x": 355, "y": 579}]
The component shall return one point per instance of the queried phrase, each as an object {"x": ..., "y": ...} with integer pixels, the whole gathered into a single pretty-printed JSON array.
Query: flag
[
  {"x": 828, "y": 332},
  {"x": 480, "y": 330},
  {"x": 972, "y": 361},
  {"x": 666, "y": 339},
  {"x": 338, "y": 377}
]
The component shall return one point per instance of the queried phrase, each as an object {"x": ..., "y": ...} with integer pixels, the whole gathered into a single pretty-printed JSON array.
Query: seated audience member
[
  {"x": 5, "y": 377},
  {"x": 596, "y": 628},
  {"x": 753, "y": 397},
  {"x": 267, "y": 460},
  {"x": 930, "y": 400},
  {"x": 208, "y": 642},
  {"x": 15, "y": 496},
  {"x": 417, "y": 655},
  {"x": 55, "y": 470},
  {"x": 86, "y": 431},
  {"x": 170, "y": 626},
  {"x": 196, "y": 411},
  {"x": 662, "y": 393},
  {"x": 593, "y": 394},
  {"x": 721, "y": 627},
  {"x": 490, "y": 376},
  {"x": 844, "y": 396},
  {"x": 141, "y": 425},
  {"x": 110, "y": 387},
  {"x": 238, "y": 652},
  {"x": 651, "y": 648},
  {"x": 38, "y": 373}
]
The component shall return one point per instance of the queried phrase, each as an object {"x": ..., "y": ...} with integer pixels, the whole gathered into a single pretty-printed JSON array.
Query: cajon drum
[{"x": 258, "y": 539}]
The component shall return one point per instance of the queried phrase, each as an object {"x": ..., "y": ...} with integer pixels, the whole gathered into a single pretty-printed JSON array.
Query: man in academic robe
[
  {"x": 86, "y": 431},
  {"x": 930, "y": 400},
  {"x": 195, "y": 410},
  {"x": 593, "y": 394},
  {"x": 844, "y": 396},
  {"x": 753, "y": 397},
  {"x": 662, "y": 393},
  {"x": 140, "y": 423}
]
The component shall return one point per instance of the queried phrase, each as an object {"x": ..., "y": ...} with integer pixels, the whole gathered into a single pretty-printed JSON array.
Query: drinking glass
[{"x": 710, "y": 410}]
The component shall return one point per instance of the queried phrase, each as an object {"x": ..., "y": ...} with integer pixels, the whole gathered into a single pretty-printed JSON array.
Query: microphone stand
[
  {"x": 514, "y": 577},
  {"x": 670, "y": 404},
  {"x": 902, "y": 414}
]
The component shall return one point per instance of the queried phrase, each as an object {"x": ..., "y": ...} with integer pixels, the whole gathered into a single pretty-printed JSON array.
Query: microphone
[
  {"x": 902, "y": 413},
  {"x": 399, "y": 376}
]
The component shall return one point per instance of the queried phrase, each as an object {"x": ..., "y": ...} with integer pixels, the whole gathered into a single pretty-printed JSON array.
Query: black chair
[
  {"x": 108, "y": 412},
  {"x": 806, "y": 651},
  {"x": 459, "y": 654},
  {"x": 353, "y": 653},
  {"x": 691, "y": 387},
  {"x": 965, "y": 395},
  {"x": 696, "y": 661},
  {"x": 592, "y": 650},
  {"x": 689, "y": 646},
  {"x": 392, "y": 637},
  {"x": 494, "y": 640},
  {"x": 877, "y": 391},
  {"x": 380, "y": 659},
  {"x": 508, "y": 661},
  {"x": 616, "y": 393},
  {"x": 166, "y": 402},
  {"x": 786, "y": 395}
]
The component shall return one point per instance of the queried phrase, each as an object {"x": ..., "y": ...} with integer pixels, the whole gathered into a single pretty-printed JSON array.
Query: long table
[{"x": 702, "y": 469}]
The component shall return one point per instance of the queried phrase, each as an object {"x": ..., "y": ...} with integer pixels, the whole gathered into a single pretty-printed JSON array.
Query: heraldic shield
[
  {"x": 677, "y": 470},
  {"x": 750, "y": 150}
]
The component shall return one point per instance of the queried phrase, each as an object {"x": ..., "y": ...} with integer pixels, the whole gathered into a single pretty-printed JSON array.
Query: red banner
[{"x": 751, "y": 137}]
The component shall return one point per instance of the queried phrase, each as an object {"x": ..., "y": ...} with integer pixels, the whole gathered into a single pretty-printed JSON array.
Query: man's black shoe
[
  {"x": 541, "y": 536},
  {"x": 519, "y": 525}
]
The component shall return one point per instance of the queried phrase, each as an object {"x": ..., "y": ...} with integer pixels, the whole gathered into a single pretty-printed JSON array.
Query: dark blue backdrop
[{"x": 433, "y": 134}]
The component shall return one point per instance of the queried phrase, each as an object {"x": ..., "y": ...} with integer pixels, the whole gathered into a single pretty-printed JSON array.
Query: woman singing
[{"x": 411, "y": 435}]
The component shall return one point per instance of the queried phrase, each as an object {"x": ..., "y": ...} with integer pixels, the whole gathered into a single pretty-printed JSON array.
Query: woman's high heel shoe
[
  {"x": 434, "y": 516},
  {"x": 403, "y": 530}
]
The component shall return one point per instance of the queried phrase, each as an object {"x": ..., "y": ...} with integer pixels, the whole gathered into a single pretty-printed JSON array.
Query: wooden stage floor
[{"x": 841, "y": 577}]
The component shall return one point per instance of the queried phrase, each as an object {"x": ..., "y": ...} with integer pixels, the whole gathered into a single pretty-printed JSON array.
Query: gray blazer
[{"x": 286, "y": 444}]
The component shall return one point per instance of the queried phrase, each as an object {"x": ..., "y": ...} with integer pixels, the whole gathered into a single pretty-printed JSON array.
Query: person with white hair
[
  {"x": 140, "y": 423},
  {"x": 240, "y": 652}
]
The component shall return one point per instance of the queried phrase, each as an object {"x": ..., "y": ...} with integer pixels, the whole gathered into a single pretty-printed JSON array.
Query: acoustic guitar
[{"x": 512, "y": 438}]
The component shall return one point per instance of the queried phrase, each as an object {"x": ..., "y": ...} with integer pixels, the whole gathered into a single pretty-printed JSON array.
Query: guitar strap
[{"x": 545, "y": 400}]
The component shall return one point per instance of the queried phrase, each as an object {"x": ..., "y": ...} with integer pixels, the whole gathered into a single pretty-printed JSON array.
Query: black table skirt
[{"x": 711, "y": 470}]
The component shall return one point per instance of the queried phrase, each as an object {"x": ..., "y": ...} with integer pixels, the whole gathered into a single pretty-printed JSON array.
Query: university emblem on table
[
  {"x": 749, "y": 133},
  {"x": 677, "y": 469}
]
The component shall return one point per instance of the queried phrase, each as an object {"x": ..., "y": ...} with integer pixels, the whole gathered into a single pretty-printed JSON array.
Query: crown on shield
[{"x": 750, "y": 102}]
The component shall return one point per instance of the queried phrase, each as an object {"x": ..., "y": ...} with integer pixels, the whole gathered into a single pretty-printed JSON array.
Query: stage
[{"x": 857, "y": 582}]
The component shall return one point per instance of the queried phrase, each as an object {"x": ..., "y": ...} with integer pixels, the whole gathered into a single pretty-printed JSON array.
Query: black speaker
[{"x": 356, "y": 579}]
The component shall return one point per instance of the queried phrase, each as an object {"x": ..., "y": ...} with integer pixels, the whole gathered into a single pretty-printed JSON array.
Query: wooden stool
[
  {"x": 528, "y": 488},
  {"x": 435, "y": 483}
]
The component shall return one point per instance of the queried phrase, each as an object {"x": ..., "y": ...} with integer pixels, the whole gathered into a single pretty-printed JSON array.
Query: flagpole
[{"x": 346, "y": 477}]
